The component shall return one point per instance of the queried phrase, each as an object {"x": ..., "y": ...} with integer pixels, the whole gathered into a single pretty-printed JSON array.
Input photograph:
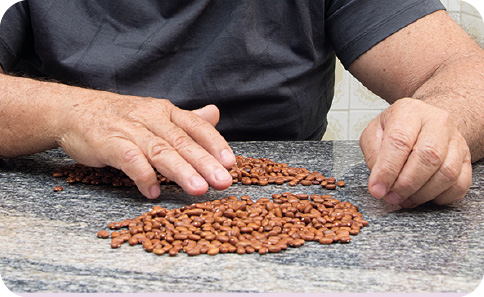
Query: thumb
[
  {"x": 370, "y": 143},
  {"x": 209, "y": 113}
]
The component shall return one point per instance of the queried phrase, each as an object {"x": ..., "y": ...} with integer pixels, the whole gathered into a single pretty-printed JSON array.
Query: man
[{"x": 266, "y": 65}]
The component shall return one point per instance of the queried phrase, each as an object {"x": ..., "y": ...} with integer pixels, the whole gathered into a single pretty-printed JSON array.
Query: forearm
[
  {"x": 458, "y": 87},
  {"x": 29, "y": 113}
]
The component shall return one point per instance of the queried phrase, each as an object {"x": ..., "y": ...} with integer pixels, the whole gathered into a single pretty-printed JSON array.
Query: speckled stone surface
[{"x": 49, "y": 244}]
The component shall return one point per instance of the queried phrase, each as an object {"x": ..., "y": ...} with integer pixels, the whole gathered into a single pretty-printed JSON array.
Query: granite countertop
[{"x": 49, "y": 241}]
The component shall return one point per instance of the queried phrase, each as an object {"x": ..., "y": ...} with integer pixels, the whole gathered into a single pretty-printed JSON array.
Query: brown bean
[
  {"x": 240, "y": 250},
  {"x": 345, "y": 239},
  {"x": 193, "y": 252},
  {"x": 158, "y": 251},
  {"x": 180, "y": 236},
  {"x": 133, "y": 241},
  {"x": 58, "y": 189},
  {"x": 173, "y": 252},
  {"x": 274, "y": 248},
  {"x": 116, "y": 243},
  {"x": 103, "y": 234},
  {"x": 306, "y": 182},
  {"x": 325, "y": 240},
  {"x": 213, "y": 251}
]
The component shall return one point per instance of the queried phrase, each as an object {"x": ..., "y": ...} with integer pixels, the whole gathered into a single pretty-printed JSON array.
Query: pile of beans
[
  {"x": 230, "y": 225},
  {"x": 263, "y": 171},
  {"x": 79, "y": 173},
  {"x": 247, "y": 171}
]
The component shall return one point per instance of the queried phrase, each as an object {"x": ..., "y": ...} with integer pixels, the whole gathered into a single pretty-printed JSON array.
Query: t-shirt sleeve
[
  {"x": 16, "y": 39},
  {"x": 355, "y": 26}
]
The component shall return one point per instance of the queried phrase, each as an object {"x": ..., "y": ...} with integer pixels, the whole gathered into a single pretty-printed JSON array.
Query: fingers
[
  {"x": 144, "y": 151},
  {"x": 183, "y": 161},
  {"x": 397, "y": 141},
  {"x": 203, "y": 133},
  {"x": 132, "y": 161},
  {"x": 186, "y": 149},
  {"x": 416, "y": 154},
  {"x": 450, "y": 183},
  {"x": 209, "y": 113},
  {"x": 172, "y": 165},
  {"x": 370, "y": 142},
  {"x": 460, "y": 188},
  {"x": 426, "y": 157}
]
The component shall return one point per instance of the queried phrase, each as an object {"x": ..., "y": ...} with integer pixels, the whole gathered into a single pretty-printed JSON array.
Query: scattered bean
[
  {"x": 103, "y": 234},
  {"x": 58, "y": 189}
]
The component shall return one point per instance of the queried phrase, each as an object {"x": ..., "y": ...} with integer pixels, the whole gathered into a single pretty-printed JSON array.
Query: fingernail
[
  {"x": 222, "y": 175},
  {"x": 227, "y": 157},
  {"x": 393, "y": 198},
  {"x": 379, "y": 190},
  {"x": 155, "y": 191},
  {"x": 197, "y": 182}
]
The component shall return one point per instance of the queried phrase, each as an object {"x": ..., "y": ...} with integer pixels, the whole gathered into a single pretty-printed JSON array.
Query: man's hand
[
  {"x": 138, "y": 134},
  {"x": 416, "y": 154},
  {"x": 421, "y": 147}
]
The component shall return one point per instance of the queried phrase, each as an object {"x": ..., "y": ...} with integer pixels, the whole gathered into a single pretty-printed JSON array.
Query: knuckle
[
  {"x": 450, "y": 172},
  {"x": 131, "y": 156},
  {"x": 371, "y": 160},
  {"x": 158, "y": 149},
  {"x": 204, "y": 159},
  {"x": 407, "y": 183},
  {"x": 144, "y": 175},
  {"x": 194, "y": 122},
  {"x": 461, "y": 189},
  {"x": 182, "y": 142},
  {"x": 401, "y": 140},
  {"x": 444, "y": 117},
  {"x": 389, "y": 168},
  {"x": 444, "y": 200},
  {"x": 164, "y": 103},
  {"x": 429, "y": 155},
  {"x": 414, "y": 201}
]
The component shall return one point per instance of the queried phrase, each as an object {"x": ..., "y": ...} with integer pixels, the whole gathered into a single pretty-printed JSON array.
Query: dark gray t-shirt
[{"x": 268, "y": 65}]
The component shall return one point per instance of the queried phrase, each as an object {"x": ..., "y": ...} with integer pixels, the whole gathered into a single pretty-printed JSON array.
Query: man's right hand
[{"x": 138, "y": 134}]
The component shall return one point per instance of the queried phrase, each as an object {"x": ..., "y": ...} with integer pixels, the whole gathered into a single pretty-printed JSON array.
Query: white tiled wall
[{"x": 354, "y": 106}]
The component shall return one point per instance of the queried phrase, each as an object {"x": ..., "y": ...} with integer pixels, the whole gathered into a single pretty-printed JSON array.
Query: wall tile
[
  {"x": 474, "y": 26},
  {"x": 337, "y": 126},
  {"x": 471, "y": 21},
  {"x": 359, "y": 119},
  {"x": 445, "y": 3},
  {"x": 362, "y": 98},
  {"x": 341, "y": 99},
  {"x": 454, "y": 5},
  {"x": 469, "y": 9}
]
